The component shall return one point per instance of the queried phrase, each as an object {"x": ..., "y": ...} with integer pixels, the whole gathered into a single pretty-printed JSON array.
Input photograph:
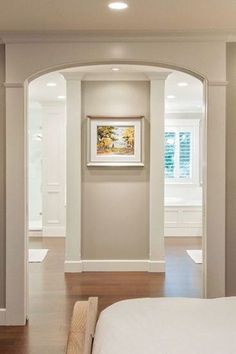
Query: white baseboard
[
  {"x": 35, "y": 233},
  {"x": 73, "y": 266},
  {"x": 54, "y": 231},
  {"x": 116, "y": 265},
  {"x": 156, "y": 266},
  {"x": 2, "y": 317}
]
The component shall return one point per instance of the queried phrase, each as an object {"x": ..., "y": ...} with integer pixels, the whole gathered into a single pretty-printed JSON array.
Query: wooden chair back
[{"x": 82, "y": 328}]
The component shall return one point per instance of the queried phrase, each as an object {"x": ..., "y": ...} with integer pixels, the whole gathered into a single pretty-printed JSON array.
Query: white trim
[
  {"x": 35, "y": 233},
  {"x": 156, "y": 266},
  {"x": 156, "y": 178},
  {"x": 115, "y": 36},
  {"x": 218, "y": 83},
  {"x": 54, "y": 231},
  {"x": 158, "y": 75},
  {"x": 114, "y": 265},
  {"x": 190, "y": 231},
  {"x": 13, "y": 84},
  {"x": 73, "y": 266},
  {"x": 3, "y": 317},
  {"x": 72, "y": 75}
]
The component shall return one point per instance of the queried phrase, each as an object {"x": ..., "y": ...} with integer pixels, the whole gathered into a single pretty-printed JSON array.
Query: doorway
[
  {"x": 95, "y": 75},
  {"x": 184, "y": 221},
  {"x": 100, "y": 82},
  {"x": 46, "y": 183}
]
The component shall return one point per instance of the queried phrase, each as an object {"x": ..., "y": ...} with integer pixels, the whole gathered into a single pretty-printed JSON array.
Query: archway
[
  {"x": 115, "y": 61},
  {"x": 81, "y": 264}
]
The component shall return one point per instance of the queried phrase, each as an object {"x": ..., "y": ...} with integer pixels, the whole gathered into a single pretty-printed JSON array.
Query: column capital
[
  {"x": 72, "y": 75},
  {"x": 158, "y": 75},
  {"x": 218, "y": 83},
  {"x": 13, "y": 84}
]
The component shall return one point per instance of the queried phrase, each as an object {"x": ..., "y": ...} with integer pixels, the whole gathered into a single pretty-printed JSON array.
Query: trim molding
[
  {"x": 185, "y": 231},
  {"x": 53, "y": 231},
  {"x": 3, "y": 317},
  {"x": 115, "y": 36},
  {"x": 218, "y": 83},
  {"x": 73, "y": 266},
  {"x": 13, "y": 85},
  {"x": 35, "y": 233},
  {"x": 114, "y": 265}
]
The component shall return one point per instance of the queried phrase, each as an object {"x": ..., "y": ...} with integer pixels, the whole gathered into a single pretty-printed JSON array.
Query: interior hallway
[{"x": 53, "y": 294}]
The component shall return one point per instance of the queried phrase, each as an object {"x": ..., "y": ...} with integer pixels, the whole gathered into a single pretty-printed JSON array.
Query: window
[{"x": 182, "y": 151}]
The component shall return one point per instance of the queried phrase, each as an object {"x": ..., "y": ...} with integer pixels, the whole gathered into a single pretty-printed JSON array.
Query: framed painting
[{"x": 115, "y": 141}]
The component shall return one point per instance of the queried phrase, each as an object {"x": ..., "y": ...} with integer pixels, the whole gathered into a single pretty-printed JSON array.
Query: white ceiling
[
  {"x": 142, "y": 15},
  {"x": 187, "y": 99}
]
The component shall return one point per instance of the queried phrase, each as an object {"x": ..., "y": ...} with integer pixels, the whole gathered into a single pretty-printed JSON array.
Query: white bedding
[{"x": 167, "y": 326}]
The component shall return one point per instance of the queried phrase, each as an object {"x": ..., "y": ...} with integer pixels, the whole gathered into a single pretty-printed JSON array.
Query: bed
[{"x": 156, "y": 326}]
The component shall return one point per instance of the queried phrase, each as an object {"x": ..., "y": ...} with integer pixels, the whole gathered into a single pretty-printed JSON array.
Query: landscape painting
[{"x": 115, "y": 140}]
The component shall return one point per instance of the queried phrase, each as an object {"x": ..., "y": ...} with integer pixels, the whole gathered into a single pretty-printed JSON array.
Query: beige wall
[
  {"x": 2, "y": 177},
  {"x": 115, "y": 200},
  {"x": 231, "y": 171}
]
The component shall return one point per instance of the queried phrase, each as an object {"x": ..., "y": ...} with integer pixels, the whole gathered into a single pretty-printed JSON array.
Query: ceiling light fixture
[
  {"x": 60, "y": 97},
  {"x": 118, "y": 5},
  {"x": 182, "y": 84},
  {"x": 115, "y": 69},
  {"x": 51, "y": 84},
  {"x": 170, "y": 96}
]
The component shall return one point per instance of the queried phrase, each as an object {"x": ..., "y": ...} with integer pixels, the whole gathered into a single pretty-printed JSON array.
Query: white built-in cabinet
[{"x": 183, "y": 220}]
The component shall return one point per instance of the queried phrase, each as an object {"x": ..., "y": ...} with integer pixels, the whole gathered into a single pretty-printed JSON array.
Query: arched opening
[{"x": 140, "y": 77}]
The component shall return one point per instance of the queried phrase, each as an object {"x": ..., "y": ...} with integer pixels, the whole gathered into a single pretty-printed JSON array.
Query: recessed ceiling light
[
  {"x": 118, "y": 5},
  {"x": 182, "y": 84},
  {"x": 170, "y": 96},
  {"x": 115, "y": 69},
  {"x": 51, "y": 84},
  {"x": 60, "y": 97}
]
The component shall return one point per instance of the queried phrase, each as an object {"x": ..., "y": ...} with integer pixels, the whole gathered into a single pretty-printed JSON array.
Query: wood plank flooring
[{"x": 53, "y": 293}]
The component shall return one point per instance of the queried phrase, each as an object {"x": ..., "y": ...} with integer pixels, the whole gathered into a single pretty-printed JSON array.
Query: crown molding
[{"x": 115, "y": 36}]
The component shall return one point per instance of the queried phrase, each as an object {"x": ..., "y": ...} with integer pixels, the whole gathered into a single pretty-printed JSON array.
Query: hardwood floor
[{"x": 53, "y": 293}]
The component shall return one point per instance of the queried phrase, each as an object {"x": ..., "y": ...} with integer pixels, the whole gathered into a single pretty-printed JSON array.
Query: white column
[
  {"x": 54, "y": 170},
  {"x": 214, "y": 180},
  {"x": 73, "y": 173},
  {"x": 16, "y": 257},
  {"x": 156, "y": 212}
]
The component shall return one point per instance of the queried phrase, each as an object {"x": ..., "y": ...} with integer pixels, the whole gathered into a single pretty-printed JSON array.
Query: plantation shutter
[
  {"x": 178, "y": 154},
  {"x": 170, "y": 152},
  {"x": 185, "y": 158}
]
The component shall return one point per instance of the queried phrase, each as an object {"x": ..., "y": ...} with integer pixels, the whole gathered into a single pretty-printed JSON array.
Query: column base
[{"x": 114, "y": 265}]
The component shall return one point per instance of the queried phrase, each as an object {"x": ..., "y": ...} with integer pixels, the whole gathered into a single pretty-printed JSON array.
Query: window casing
[{"x": 182, "y": 151}]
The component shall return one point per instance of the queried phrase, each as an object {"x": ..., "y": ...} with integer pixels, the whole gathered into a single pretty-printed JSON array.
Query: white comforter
[{"x": 167, "y": 326}]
